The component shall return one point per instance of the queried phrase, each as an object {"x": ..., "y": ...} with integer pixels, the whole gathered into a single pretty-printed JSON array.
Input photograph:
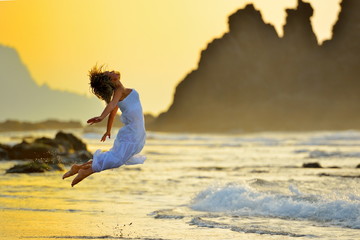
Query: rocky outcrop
[
  {"x": 311, "y": 165},
  {"x": 26, "y": 150},
  {"x": 35, "y": 167},
  {"x": 4, "y": 151},
  {"x": 252, "y": 80},
  {"x": 46, "y": 154},
  {"x": 69, "y": 141}
]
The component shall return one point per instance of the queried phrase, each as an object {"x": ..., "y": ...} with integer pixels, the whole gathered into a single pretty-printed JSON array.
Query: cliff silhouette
[
  {"x": 252, "y": 80},
  {"x": 22, "y": 99}
]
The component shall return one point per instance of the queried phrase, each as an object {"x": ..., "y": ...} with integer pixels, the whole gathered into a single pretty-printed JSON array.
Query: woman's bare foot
[
  {"x": 73, "y": 170},
  {"x": 76, "y": 167},
  {"x": 82, "y": 174}
]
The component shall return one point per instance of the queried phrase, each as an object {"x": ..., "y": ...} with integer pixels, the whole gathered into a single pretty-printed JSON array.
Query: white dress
[{"x": 130, "y": 139}]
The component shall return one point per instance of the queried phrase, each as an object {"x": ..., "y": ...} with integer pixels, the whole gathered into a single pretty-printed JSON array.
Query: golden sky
[{"x": 154, "y": 43}]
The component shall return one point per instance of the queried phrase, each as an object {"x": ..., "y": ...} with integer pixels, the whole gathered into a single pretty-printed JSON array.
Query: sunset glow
[{"x": 153, "y": 43}]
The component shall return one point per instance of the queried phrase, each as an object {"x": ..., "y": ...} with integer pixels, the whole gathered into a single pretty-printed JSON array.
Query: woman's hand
[
  {"x": 94, "y": 120},
  {"x": 107, "y": 134}
]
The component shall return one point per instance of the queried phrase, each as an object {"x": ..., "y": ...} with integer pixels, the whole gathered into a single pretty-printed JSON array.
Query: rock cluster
[{"x": 46, "y": 154}]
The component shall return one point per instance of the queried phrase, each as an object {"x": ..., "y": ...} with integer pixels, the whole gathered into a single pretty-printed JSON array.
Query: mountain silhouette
[
  {"x": 252, "y": 80},
  {"x": 22, "y": 99}
]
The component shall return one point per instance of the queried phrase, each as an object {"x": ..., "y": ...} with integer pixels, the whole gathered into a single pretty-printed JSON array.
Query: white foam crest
[{"x": 242, "y": 200}]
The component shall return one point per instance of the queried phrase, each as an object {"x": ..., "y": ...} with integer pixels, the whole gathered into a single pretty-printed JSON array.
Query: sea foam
[{"x": 242, "y": 200}]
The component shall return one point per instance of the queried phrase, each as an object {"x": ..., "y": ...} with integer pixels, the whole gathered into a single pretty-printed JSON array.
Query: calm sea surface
[{"x": 195, "y": 187}]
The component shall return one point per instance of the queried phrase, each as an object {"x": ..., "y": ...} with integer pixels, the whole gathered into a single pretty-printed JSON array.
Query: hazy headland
[{"x": 22, "y": 99}]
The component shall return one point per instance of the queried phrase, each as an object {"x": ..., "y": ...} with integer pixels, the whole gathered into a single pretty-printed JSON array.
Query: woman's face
[{"x": 114, "y": 75}]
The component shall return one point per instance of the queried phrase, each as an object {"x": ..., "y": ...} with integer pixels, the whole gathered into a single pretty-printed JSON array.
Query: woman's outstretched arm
[
  {"x": 109, "y": 124},
  {"x": 109, "y": 107},
  {"x": 112, "y": 104},
  {"x": 111, "y": 119}
]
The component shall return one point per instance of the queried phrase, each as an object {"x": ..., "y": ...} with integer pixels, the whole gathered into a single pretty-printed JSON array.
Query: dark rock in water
[
  {"x": 27, "y": 150},
  {"x": 47, "y": 154},
  {"x": 50, "y": 142},
  {"x": 35, "y": 167},
  {"x": 312, "y": 165},
  {"x": 335, "y": 175},
  {"x": 56, "y": 147},
  {"x": 3, "y": 154},
  {"x": 252, "y": 80},
  {"x": 70, "y": 142},
  {"x": 358, "y": 166},
  {"x": 5, "y": 147},
  {"x": 77, "y": 157},
  {"x": 4, "y": 151}
]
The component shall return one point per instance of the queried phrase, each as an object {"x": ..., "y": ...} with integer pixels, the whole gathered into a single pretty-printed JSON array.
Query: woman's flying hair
[{"x": 101, "y": 84}]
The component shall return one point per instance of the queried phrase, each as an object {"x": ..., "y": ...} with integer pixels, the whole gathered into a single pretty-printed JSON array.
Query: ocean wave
[
  {"x": 212, "y": 140},
  {"x": 349, "y": 135},
  {"x": 242, "y": 200},
  {"x": 167, "y": 214},
  {"x": 344, "y": 138},
  {"x": 201, "y": 222},
  {"x": 337, "y": 154},
  {"x": 178, "y": 136}
]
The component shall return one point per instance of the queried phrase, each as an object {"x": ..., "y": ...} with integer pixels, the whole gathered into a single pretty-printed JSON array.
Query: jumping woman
[{"x": 130, "y": 139}]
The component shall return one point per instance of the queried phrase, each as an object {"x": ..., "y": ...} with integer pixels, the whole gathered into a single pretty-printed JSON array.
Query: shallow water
[{"x": 195, "y": 187}]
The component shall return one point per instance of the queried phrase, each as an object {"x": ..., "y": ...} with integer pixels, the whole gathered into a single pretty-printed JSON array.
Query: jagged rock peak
[
  {"x": 347, "y": 26},
  {"x": 298, "y": 23},
  {"x": 245, "y": 18}
]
